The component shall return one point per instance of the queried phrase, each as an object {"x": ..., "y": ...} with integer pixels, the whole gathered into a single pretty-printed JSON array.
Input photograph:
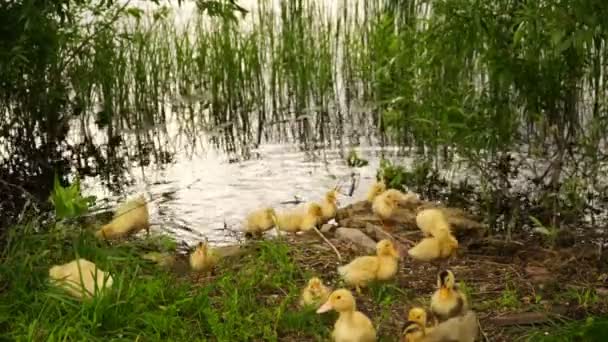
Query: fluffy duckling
[
  {"x": 300, "y": 220},
  {"x": 352, "y": 325},
  {"x": 418, "y": 315},
  {"x": 329, "y": 206},
  {"x": 129, "y": 218},
  {"x": 259, "y": 221},
  {"x": 384, "y": 206},
  {"x": 448, "y": 301},
  {"x": 433, "y": 222},
  {"x": 314, "y": 294},
  {"x": 289, "y": 221},
  {"x": 312, "y": 217},
  {"x": 203, "y": 259},
  {"x": 362, "y": 270},
  {"x": 81, "y": 278},
  {"x": 434, "y": 248},
  {"x": 376, "y": 189},
  {"x": 457, "y": 329}
]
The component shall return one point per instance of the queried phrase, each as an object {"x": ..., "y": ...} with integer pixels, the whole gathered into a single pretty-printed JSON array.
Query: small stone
[
  {"x": 602, "y": 291},
  {"x": 327, "y": 228},
  {"x": 378, "y": 232},
  {"x": 357, "y": 237}
]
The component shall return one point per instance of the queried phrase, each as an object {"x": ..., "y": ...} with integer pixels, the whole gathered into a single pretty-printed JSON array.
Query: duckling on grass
[
  {"x": 448, "y": 301},
  {"x": 364, "y": 269},
  {"x": 314, "y": 294},
  {"x": 203, "y": 259},
  {"x": 352, "y": 325},
  {"x": 128, "y": 219},
  {"x": 81, "y": 278},
  {"x": 457, "y": 329}
]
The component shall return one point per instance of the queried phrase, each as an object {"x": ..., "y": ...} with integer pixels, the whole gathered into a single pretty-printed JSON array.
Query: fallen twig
[{"x": 329, "y": 243}]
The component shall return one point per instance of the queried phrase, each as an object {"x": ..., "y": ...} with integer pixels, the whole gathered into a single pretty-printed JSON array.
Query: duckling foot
[{"x": 358, "y": 289}]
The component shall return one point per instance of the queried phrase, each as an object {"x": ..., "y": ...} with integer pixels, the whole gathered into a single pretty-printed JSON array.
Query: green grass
[
  {"x": 590, "y": 330},
  {"x": 253, "y": 299}
]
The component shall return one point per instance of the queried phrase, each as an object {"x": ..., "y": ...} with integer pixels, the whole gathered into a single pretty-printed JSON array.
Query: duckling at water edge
[{"x": 129, "y": 218}]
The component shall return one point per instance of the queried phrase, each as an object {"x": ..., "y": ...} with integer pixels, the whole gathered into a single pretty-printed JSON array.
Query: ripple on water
[{"x": 193, "y": 197}]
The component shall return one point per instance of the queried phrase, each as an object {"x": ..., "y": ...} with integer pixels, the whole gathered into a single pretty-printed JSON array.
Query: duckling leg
[{"x": 358, "y": 289}]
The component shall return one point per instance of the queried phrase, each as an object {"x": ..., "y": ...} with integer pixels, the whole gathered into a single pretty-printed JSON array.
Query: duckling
[
  {"x": 329, "y": 206},
  {"x": 418, "y": 315},
  {"x": 203, "y": 259},
  {"x": 432, "y": 222},
  {"x": 312, "y": 217},
  {"x": 434, "y": 248},
  {"x": 81, "y": 278},
  {"x": 352, "y": 325},
  {"x": 129, "y": 218},
  {"x": 362, "y": 270},
  {"x": 457, "y": 329},
  {"x": 384, "y": 206},
  {"x": 448, "y": 301},
  {"x": 259, "y": 221},
  {"x": 289, "y": 221},
  {"x": 314, "y": 294},
  {"x": 376, "y": 189}
]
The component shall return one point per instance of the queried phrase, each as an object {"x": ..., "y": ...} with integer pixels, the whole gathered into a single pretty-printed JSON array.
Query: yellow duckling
[
  {"x": 203, "y": 259},
  {"x": 384, "y": 206},
  {"x": 129, "y": 218},
  {"x": 81, "y": 278},
  {"x": 457, "y": 329},
  {"x": 362, "y": 270},
  {"x": 329, "y": 206},
  {"x": 418, "y": 315},
  {"x": 314, "y": 294},
  {"x": 312, "y": 217},
  {"x": 434, "y": 248},
  {"x": 432, "y": 222},
  {"x": 352, "y": 325},
  {"x": 448, "y": 301},
  {"x": 289, "y": 221},
  {"x": 259, "y": 221},
  {"x": 375, "y": 190}
]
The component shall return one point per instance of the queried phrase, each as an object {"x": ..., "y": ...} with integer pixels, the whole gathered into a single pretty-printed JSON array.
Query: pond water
[{"x": 198, "y": 196}]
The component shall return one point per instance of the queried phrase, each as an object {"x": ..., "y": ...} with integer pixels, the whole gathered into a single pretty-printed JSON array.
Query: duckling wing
[
  {"x": 426, "y": 250},
  {"x": 361, "y": 269},
  {"x": 289, "y": 222}
]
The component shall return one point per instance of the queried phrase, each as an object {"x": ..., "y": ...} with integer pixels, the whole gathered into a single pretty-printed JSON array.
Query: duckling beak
[
  {"x": 325, "y": 307},
  {"x": 444, "y": 292}
]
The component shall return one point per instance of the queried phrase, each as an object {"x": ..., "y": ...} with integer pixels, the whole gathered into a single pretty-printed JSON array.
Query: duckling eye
[{"x": 339, "y": 297}]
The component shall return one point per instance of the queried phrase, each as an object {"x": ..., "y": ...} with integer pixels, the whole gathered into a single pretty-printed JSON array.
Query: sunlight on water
[{"x": 193, "y": 197}]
